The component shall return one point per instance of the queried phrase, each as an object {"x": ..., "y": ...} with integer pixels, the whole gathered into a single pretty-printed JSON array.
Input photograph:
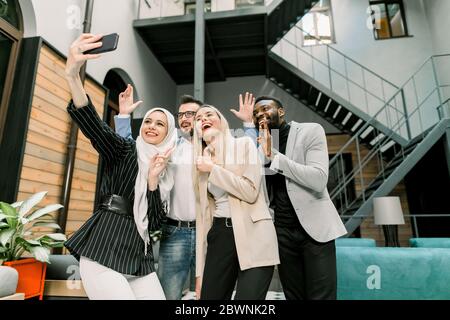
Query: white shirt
[
  {"x": 182, "y": 198},
  {"x": 221, "y": 199}
]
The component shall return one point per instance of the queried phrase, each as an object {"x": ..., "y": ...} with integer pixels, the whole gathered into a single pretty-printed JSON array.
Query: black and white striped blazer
[{"x": 109, "y": 238}]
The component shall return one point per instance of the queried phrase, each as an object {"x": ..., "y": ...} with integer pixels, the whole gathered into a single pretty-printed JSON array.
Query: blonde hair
[{"x": 223, "y": 144}]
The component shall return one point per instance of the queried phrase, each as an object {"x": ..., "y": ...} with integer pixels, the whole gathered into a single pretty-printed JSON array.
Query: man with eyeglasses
[{"x": 177, "y": 245}]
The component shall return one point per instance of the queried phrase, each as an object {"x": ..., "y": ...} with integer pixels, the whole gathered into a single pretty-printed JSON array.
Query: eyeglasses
[{"x": 188, "y": 114}]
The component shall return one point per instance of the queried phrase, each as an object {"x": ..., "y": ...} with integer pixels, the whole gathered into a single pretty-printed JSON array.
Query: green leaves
[
  {"x": 44, "y": 224},
  {"x": 30, "y": 203},
  {"x": 52, "y": 240},
  {"x": 41, "y": 253},
  {"x": 8, "y": 210},
  {"x": 6, "y": 235},
  {"x": 17, "y": 222},
  {"x": 41, "y": 212},
  {"x": 9, "y": 213},
  {"x": 17, "y": 204}
]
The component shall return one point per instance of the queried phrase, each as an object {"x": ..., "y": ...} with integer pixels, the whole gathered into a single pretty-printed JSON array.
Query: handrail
[
  {"x": 337, "y": 72},
  {"x": 351, "y": 175},
  {"x": 440, "y": 108},
  {"x": 346, "y": 178},
  {"x": 356, "y": 136},
  {"x": 385, "y": 101},
  {"x": 346, "y": 56}
]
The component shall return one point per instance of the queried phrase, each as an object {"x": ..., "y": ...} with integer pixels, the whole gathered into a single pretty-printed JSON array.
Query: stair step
[
  {"x": 347, "y": 118},
  {"x": 375, "y": 184},
  {"x": 304, "y": 89},
  {"x": 343, "y": 115},
  {"x": 322, "y": 102},
  {"x": 312, "y": 96},
  {"x": 410, "y": 148},
  {"x": 339, "y": 108},
  {"x": 331, "y": 109},
  {"x": 377, "y": 139},
  {"x": 359, "y": 124},
  {"x": 388, "y": 145},
  {"x": 397, "y": 161},
  {"x": 351, "y": 122},
  {"x": 354, "y": 207},
  {"x": 322, "y": 109},
  {"x": 366, "y": 132},
  {"x": 389, "y": 170}
]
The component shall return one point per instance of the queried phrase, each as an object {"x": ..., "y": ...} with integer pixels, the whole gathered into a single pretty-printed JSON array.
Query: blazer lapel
[{"x": 292, "y": 138}]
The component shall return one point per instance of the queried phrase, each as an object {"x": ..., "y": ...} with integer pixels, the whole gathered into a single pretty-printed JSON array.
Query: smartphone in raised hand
[{"x": 109, "y": 43}]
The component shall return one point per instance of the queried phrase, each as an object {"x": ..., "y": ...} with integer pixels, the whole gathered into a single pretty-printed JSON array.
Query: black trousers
[
  {"x": 222, "y": 269},
  {"x": 307, "y": 268}
]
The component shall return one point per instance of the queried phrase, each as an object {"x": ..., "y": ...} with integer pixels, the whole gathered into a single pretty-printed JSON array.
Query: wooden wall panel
[{"x": 368, "y": 228}]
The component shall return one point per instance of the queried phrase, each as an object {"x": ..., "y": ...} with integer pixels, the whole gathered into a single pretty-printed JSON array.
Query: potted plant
[{"x": 17, "y": 223}]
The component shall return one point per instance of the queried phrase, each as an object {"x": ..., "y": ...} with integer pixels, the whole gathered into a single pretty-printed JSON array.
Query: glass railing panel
[{"x": 148, "y": 9}]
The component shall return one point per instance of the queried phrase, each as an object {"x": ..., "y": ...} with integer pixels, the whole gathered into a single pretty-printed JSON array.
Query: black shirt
[{"x": 285, "y": 215}]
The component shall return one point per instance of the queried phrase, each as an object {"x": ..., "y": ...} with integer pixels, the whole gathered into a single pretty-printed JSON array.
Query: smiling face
[
  {"x": 207, "y": 123},
  {"x": 155, "y": 127},
  {"x": 266, "y": 111},
  {"x": 186, "y": 114}
]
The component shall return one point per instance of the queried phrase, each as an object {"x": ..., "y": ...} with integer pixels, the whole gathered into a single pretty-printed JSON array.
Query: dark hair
[
  {"x": 277, "y": 102},
  {"x": 185, "y": 98}
]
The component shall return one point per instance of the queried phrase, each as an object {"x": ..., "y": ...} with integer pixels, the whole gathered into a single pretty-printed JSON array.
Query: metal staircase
[
  {"x": 283, "y": 15},
  {"x": 422, "y": 125},
  {"x": 345, "y": 93},
  {"x": 391, "y": 128}
]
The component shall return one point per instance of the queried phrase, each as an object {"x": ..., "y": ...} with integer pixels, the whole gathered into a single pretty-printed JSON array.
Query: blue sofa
[
  {"x": 355, "y": 242},
  {"x": 429, "y": 242},
  {"x": 379, "y": 273}
]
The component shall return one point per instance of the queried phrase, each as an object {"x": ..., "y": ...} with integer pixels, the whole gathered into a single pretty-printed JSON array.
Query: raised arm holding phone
[{"x": 113, "y": 246}]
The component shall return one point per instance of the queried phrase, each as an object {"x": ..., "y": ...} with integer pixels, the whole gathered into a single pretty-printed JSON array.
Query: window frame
[
  {"x": 15, "y": 35},
  {"x": 332, "y": 31},
  {"x": 402, "y": 11}
]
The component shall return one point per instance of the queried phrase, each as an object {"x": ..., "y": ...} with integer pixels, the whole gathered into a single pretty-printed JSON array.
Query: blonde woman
[{"x": 236, "y": 239}]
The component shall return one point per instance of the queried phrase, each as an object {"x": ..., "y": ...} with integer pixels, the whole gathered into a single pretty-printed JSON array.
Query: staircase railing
[
  {"x": 444, "y": 110},
  {"x": 363, "y": 88},
  {"x": 427, "y": 104}
]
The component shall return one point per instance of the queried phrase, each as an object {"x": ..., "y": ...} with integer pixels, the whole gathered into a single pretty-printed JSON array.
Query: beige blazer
[{"x": 254, "y": 231}]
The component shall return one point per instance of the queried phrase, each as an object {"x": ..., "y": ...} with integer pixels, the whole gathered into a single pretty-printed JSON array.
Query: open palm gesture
[
  {"x": 126, "y": 104},
  {"x": 246, "y": 106}
]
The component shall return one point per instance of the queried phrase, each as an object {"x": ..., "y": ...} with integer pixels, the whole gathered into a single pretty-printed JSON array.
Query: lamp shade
[{"x": 388, "y": 211}]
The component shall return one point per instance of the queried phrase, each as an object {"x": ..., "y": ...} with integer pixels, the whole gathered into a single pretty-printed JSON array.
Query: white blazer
[{"x": 305, "y": 166}]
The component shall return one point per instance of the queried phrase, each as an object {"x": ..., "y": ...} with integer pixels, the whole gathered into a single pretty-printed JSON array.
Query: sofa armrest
[
  {"x": 429, "y": 242},
  {"x": 355, "y": 242}
]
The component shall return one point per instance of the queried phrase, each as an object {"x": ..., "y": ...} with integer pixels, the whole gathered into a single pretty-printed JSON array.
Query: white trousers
[{"x": 102, "y": 283}]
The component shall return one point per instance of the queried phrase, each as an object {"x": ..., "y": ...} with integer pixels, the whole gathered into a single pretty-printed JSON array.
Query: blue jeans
[{"x": 176, "y": 258}]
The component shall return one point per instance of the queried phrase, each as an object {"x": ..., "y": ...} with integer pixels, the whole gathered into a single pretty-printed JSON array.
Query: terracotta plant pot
[{"x": 31, "y": 276}]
